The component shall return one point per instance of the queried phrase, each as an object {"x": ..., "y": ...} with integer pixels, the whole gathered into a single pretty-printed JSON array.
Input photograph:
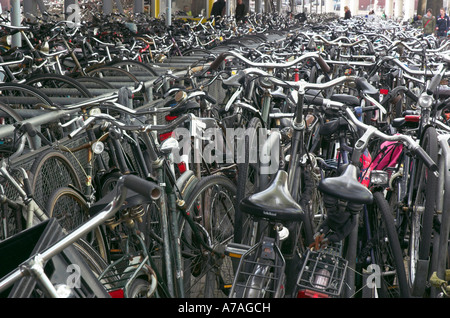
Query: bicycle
[{"x": 35, "y": 264}]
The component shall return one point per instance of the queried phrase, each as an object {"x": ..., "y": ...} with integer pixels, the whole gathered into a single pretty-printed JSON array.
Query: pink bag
[{"x": 387, "y": 157}]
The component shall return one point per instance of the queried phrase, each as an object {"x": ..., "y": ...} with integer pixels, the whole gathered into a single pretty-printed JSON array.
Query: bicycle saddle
[
  {"x": 346, "y": 187},
  {"x": 327, "y": 129},
  {"x": 364, "y": 86},
  {"x": 275, "y": 203},
  {"x": 132, "y": 199},
  {"x": 348, "y": 100}
]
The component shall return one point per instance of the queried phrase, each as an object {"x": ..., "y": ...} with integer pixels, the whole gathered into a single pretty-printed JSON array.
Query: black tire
[
  {"x": 423, "y": 211},
  {"x": 109, "y": 71},
  {"x": 93, "y": 82},
  {"x": 71, "y": 210},
  {"x": 213, "y": 203},
  {"x": 118, "y": 78},
  {"x": 50, "y": 171},
  {"x": 248, "y": 183},
  {"x": 136, "y": 68},
  {"x": 388, "y": 252},
  {"x": 60, "y": 82},
  {"x": 23, "y": 96}
]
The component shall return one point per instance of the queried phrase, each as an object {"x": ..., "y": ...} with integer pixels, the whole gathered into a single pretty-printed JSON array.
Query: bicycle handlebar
[
  {"x": 301, "y": 85},
  {"x": 322, "y": 63},
  {"x": 411, "y": 144}
]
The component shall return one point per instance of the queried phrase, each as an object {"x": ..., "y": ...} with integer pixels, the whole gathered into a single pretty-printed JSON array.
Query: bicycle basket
[
  {"x": 323, "y": 272},
  {"x": 260, "y": 273}
]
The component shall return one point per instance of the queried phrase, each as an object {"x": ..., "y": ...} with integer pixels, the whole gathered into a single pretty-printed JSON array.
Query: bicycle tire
[
  {"x": 134, "y": 67},
  {"x": 421, "y": 227},
  {"x": 93, "y": 82},
  {"x": 389, "y": 251},
  {"x": 248, "y": 183},
  {"x": 71, "y": 210},
  {"x": 42, "y": 81},
  {"x": 130, "y": 79},
  {"x": 204, "y": 276},
  {"x": 138, "y": 288},
  {"x": 100, "y": 72},
  {"x": 51, "y": 170},
  {"x": 95, "y": 262},
  {"x": 21, "y": 90}
]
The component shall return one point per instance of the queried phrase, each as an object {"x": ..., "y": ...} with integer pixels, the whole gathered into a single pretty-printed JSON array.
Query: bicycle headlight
[
  {"x": 95, "y": 111},
  {"x": 168, "y": 145},
  {"x": 379, "y": 177},
  {"x": 425, "y": 101},
  {"x": 98, "y": 147}
]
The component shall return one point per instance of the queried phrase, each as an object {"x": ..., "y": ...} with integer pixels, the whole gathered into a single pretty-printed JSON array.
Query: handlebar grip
[
  {"x": 216, "y": 63},
  {"x": 422, "y": 154},
  {"x": 210, "y": 99},
  {"x": 197, "y": 69},
  {"x": 315, "y": 100},
  {"x": 411, "y": 95},
  {"x": 161, "y": 128},
  {"x": 434, "y": 83},
  {"x": 323, "y": 65},
  {"x": 146, "y": 188},
  {"x": 29, "y": 129},
  {"x": 371, "y": 50}
]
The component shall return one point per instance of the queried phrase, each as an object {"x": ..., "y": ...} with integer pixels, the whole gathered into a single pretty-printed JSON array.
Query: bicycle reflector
[
  {"x": 118, "y": 293},
  {"x": 306, "y": 293}
]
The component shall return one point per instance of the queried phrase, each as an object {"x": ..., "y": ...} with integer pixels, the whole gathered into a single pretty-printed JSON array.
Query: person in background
[
  {"x": 429, "y": 23},
  {"x": 348, "y": 13},
  {"x": 218, "y": 8},
  {"x": 187, "y": 11},
  {"x": 442, "y": 24},
  {"x": 240, "y": 11}
]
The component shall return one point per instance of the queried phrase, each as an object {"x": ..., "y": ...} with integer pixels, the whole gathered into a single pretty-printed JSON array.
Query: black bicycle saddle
[
  {"x": 275, "y": 203},
  {"x": 348, "y": 100},
  {"x": 132, "y": 199},
  {"x": 346, "y": 187},
  {"x": 329, "y": 128}
]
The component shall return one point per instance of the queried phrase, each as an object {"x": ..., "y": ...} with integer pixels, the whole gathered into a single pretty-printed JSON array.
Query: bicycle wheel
[
  {"x": 71, "y": 210},
  {"x": 55, "y": 85},
  {"x": 139, "y": 288},
  {"x": 119, "y": 78},
  {"x": 246, "y": 228},
  {"x": 387, "y": 251},
  {"x": 212, "y": 202},
  {"x": 93, "y": 82},
  {"x": 140, "y": 70},
  {"x": 23, "y": 96},
  {"x": 50, "y": 171},
  {"x": 423, "y": 211},
  {"x": 114, "y": 75}
]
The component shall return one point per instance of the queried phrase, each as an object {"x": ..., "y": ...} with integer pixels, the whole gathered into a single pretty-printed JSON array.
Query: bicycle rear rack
[
  {"x": 260, "y": 272},
  {"x": 323, "y": 272},
  {"x": 119, "y": 275}
]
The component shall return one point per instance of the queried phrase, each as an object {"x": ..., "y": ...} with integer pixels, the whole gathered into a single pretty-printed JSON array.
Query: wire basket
[
  {"x": 260, "y": 273},
  {"x": 120, "y": 274},
  {"x": 323, "y": 271}
]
